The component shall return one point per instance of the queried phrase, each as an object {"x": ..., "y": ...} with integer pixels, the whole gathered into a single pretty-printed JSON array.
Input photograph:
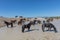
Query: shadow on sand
[
  {"x": 51, "y": 30},
  {"x": 11, "y": 27},
  {"x": 32, "y": 30}
]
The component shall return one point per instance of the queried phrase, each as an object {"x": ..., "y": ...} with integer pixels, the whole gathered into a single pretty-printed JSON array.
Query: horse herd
[{"x": 27, "y": 26}]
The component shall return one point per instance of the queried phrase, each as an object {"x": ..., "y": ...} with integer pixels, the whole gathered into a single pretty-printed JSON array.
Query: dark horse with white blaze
[
  {"x": 49, "y": 26},
  {"x": 26, "y": 26}
]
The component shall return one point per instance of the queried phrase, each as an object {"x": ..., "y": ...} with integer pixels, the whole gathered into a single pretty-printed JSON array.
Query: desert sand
[{"x": 35, "y": 33}]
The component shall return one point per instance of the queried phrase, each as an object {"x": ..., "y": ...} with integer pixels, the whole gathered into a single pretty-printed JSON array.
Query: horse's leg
[
  {"x": 43, "y": 26},
  {"x": 49, "y": 28},
  {"x": 7, "y": 25},
  {"x": 11, "y": 24},
  {"x": 23, "y": 28},
  {"x": 28, "y": 28}
]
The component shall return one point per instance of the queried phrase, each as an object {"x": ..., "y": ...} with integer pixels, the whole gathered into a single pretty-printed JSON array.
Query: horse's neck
[{"x": 6, "y": 22}]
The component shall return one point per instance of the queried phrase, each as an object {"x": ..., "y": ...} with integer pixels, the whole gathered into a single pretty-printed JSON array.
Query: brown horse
[
  {"x": 21, "y": 21},
  {"x": 8, "y": 23},
  {"x": 38, "y": 21},
  {"x": 13, "y": 21},
  {"x": 49, "y": 19}
]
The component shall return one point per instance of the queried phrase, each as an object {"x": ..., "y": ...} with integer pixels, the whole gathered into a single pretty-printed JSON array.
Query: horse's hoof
[
  {"x": 11, "y": 27},
  {"x": 55, "y": 31},
  {"x": 22, "y": 32},
  {"x": 43, "y": 31},
  {"x": 7, "y": 27}
]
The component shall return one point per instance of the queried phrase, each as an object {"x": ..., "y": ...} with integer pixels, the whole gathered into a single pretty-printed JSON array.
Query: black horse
[
  {"x": 26, "y": 26},
  {"x": 49, "y": 26},
  {"x": 8, "y": 23}
]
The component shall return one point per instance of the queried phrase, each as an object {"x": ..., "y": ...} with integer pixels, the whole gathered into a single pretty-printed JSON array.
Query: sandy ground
[{"x": 35, "y": 33}]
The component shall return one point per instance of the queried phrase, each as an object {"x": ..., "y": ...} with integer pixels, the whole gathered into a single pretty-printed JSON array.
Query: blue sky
[{"x": 29, "y": 8}]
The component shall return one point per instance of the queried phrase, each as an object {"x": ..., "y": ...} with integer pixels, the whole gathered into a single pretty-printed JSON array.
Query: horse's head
[{"x": 5, "y": 21}]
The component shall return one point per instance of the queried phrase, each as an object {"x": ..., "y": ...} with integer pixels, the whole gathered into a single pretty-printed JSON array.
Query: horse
[
  {"x": 49, "y": 26},
  {"x": 26, "y": 26},
  {"x": 33, "y": 22},
  {"x": 39, "y": 21},
  {"x": 13, "y": 21},
  {"x": 8, "y": 23},
  {"x": 21, "y": 21},
  {"x": 36, "y": 22},
  {"x": 50, "y": 19}
]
